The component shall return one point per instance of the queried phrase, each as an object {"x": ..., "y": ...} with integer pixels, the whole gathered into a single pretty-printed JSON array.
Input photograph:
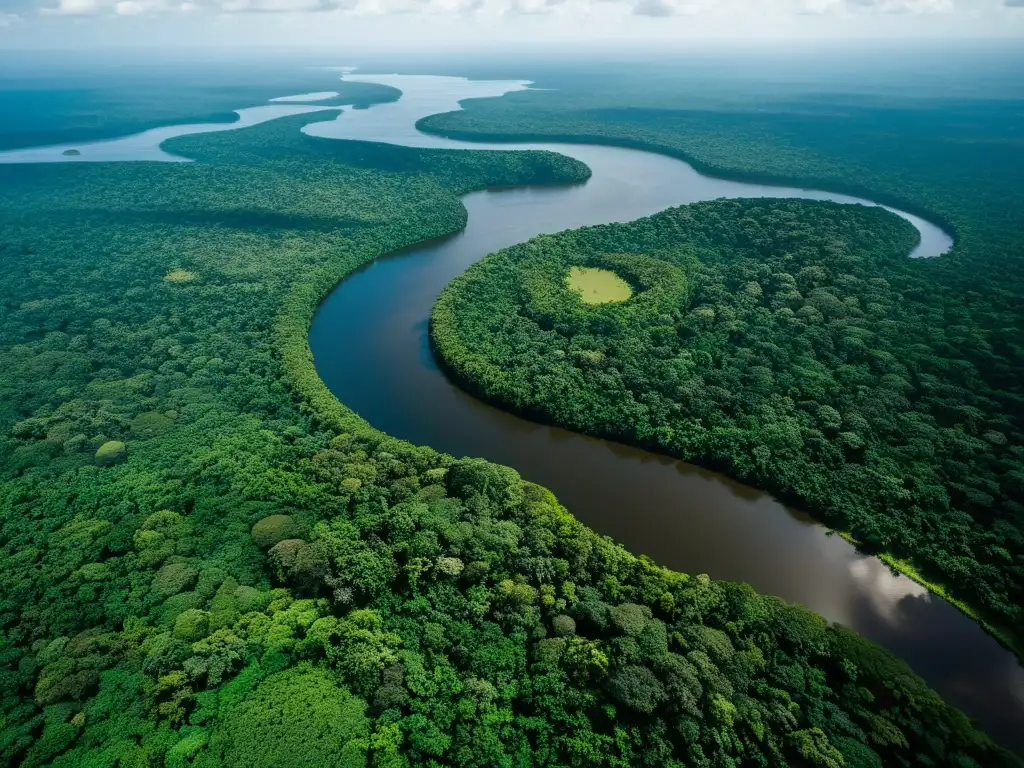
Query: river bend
[
  {"x": 371, "y": 347},
  {"x": 370, "y": 344}
]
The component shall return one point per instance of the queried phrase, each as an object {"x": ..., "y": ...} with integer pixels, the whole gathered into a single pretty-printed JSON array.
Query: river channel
[{"x": 370, "y": 344}]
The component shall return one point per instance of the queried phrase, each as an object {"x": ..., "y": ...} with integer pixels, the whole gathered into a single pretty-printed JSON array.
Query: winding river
[{"x": 370, "y": 344}]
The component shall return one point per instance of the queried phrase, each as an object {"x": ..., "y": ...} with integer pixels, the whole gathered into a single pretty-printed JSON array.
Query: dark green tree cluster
[{"x": 206, "y": 560}]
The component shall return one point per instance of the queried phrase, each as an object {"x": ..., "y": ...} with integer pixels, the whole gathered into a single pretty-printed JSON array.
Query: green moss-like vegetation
[
  {"x": 111, "y": 452},
  {"x": 598, "y": 286},
  {"x": 296, "y": 718},
  {"x": 435, "y": 611},
  {"x": 172, "y": 578},
  {"x": 273, "y": 529},
  {"x": 151, "y": 423},
  {"x": 180, "y": 276}
]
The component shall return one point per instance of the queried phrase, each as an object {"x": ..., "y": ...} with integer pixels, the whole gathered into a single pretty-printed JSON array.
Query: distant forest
[
  {"x": 92, "y": 103},
  {"x": 207, "y": 560}
]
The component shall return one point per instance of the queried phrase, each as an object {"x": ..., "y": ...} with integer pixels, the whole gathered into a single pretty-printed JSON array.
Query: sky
[{"x": 425, "y": 23}]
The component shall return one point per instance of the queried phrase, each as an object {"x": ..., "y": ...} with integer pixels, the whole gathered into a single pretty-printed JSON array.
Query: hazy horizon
[
  {"x": 98, "y": 24},
  {"x": 919, "y": 68}
]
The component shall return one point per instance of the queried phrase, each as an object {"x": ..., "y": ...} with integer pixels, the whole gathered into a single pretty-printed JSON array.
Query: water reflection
[{"x": 885, "y": 589}]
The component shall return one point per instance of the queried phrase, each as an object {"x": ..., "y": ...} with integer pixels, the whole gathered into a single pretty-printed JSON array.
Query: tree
[
  {"x": 299, "y": 717},
  {"x": 111, "y": 452},
  {"x": 636, "y": 687}
]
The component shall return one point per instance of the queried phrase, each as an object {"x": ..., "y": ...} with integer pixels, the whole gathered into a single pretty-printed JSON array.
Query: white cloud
[
  {"x": 745, "y": 13},
  {"x": 821, "y": 6},
  {"x": 75, "y": 8},
  {"x": 664, "y": 8},
  {"x": 8, "y": 20},
  {"x": 534, "y": 6},
  {"x": 854, "y": 7},
  {"x": 137, "y": 7},
  {"x": 281, "y": 6},
  {"x": 656, "y": 8},
  {"x": 115, "y": 7}
]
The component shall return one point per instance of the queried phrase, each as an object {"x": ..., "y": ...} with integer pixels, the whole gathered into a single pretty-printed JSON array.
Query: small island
[{"x": 71, "y": 153}]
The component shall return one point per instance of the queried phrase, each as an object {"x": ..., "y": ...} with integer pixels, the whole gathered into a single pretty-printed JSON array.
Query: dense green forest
[
  {"x": 908, "y": 376},
  {"x": 205, "y": 559}
]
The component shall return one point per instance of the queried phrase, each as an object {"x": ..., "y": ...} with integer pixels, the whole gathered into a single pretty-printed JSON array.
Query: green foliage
[
  {"x": 813, "y": 746},
  {"x": 173, "y": 578},
  {"x": 500, "y": 485},
  {"x": 637, "y": 688},
  {"x": 192, "y": 624},
  {"x": 143, "y": 622},
  {"x": 111, "y": 452},
  {"x": 563, "y": 626},
  {"x": 299, "y": 717},
  {"x": 790, "y": 344},
  {"x": 272, "y": 530},
  {"x": 630, "y": 618}
]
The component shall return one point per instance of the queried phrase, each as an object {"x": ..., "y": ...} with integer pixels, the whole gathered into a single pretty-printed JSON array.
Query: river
[
  {"x": 371, "y": 347},
  {"x": 370, "y": 344}
]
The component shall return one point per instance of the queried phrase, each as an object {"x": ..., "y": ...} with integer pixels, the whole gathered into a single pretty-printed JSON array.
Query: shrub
[
  {"x": 191, "y": 625},
  {"x": 57, "y": 686},
  {"x": 563, "y": 626},
  {"x": 550, "y": 650},
  {"x": 300, "y": 717},
  {"x": 250, "y": 599},
  {"x": 637, "y": 688},
  {"x": 176, "y": 605},
  {"x": 284, "y": 555},
  {"x": 450, "y": 566},
  {"x": 630, "y": 618},
  {"x": 111, "y": 452},
  {"x": 500, "y": 485},
  {"x": 273, "y": 529},
  {"x": 173, "y": 578}
]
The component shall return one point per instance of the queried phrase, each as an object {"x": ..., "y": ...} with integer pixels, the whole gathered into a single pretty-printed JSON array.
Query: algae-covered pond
[{"x": 598, "y": 286}]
